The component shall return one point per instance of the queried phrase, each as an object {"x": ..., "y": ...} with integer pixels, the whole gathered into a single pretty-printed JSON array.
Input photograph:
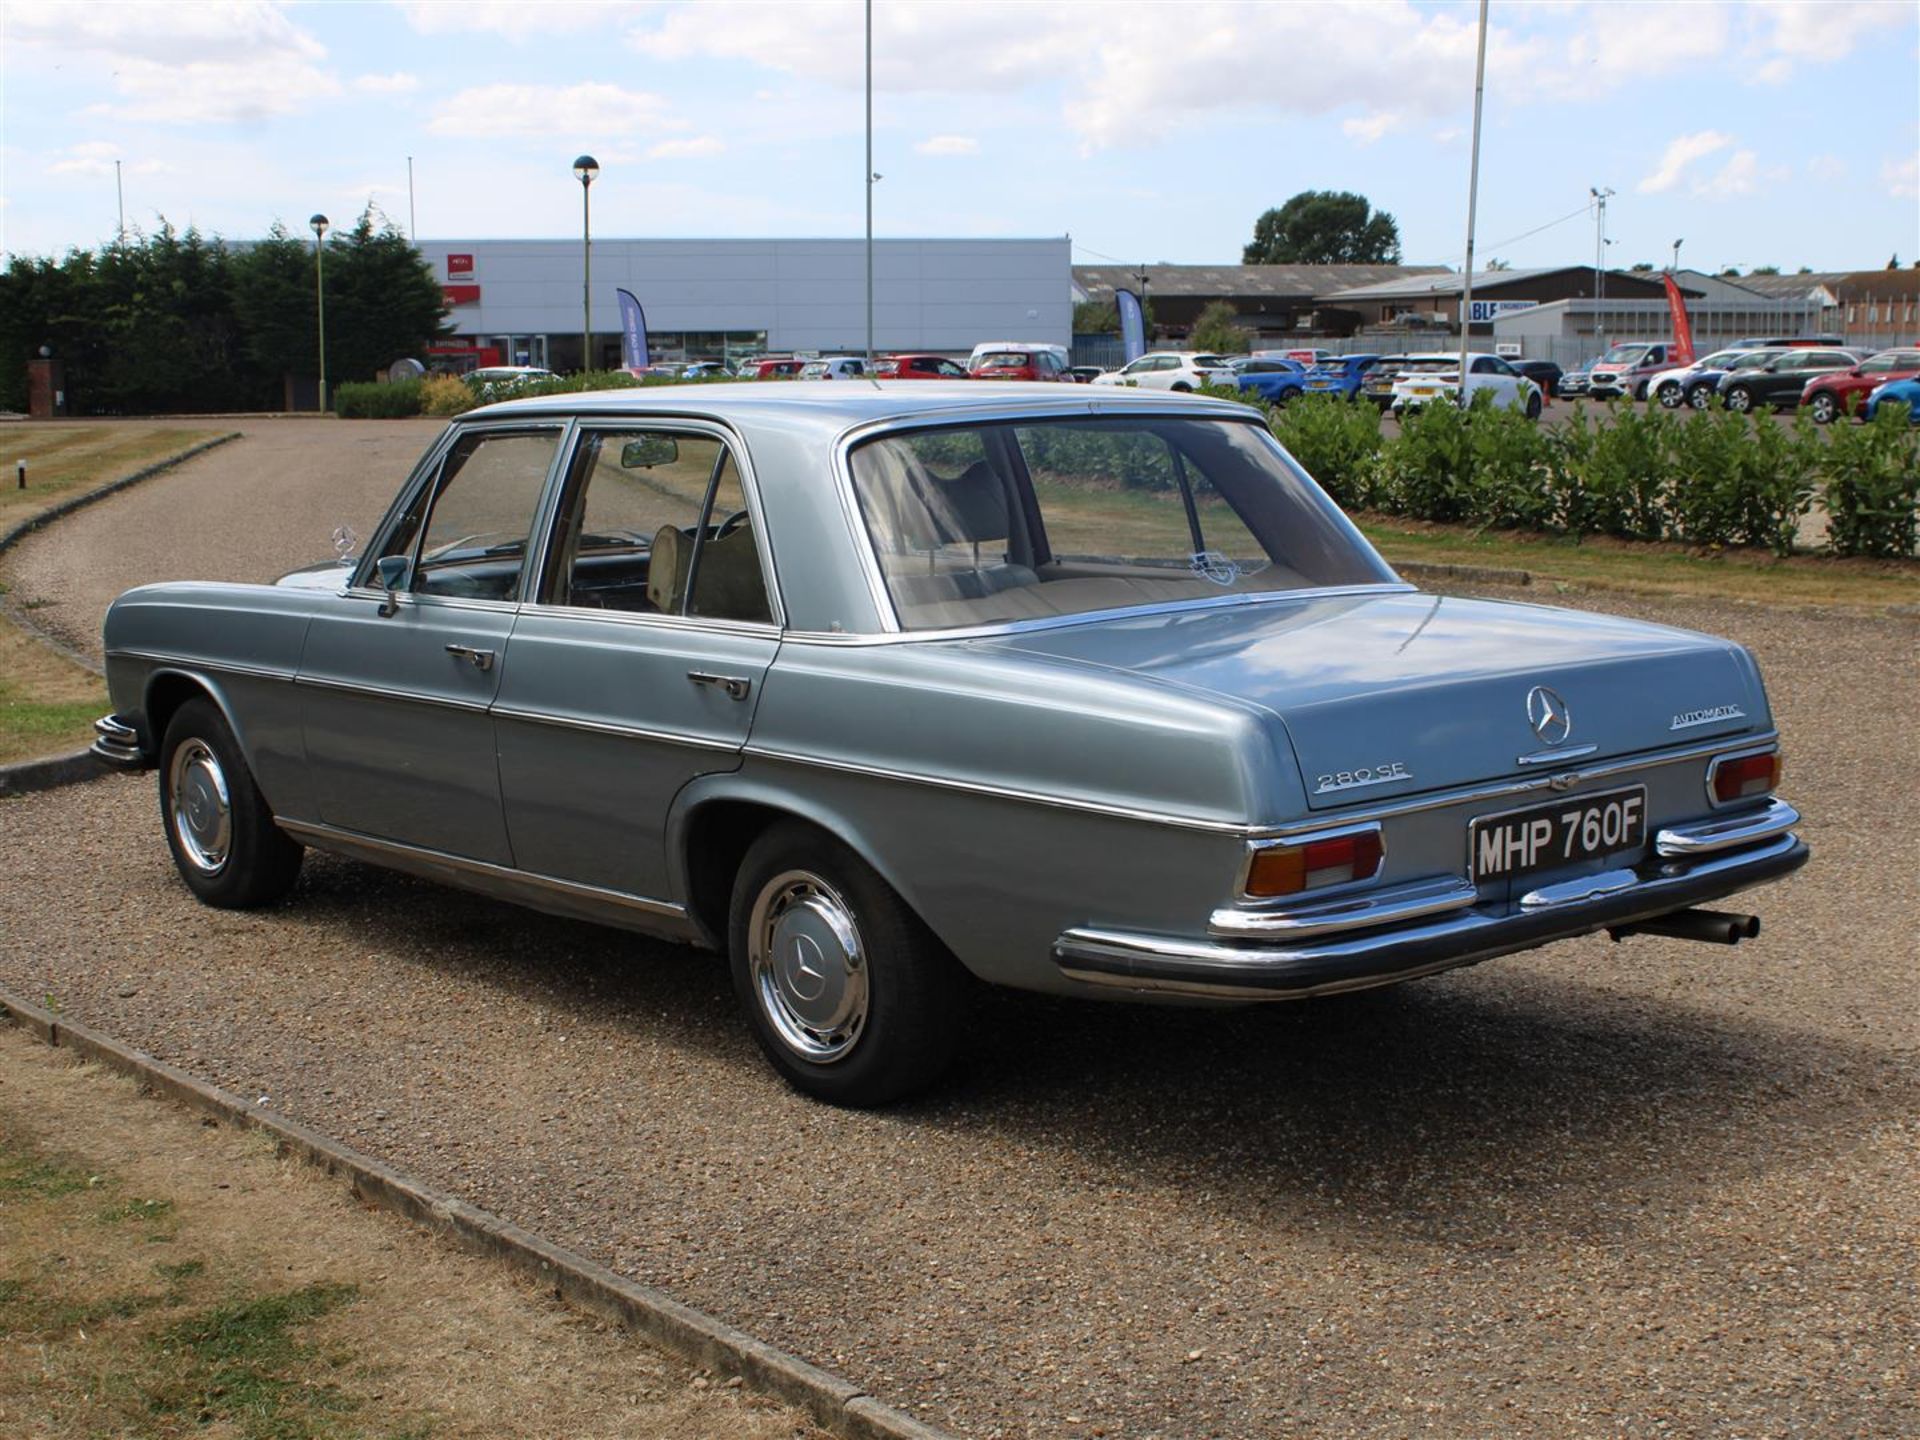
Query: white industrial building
[{"x": 720, "y": 299}]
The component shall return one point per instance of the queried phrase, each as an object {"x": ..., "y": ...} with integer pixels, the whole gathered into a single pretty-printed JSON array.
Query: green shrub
[
  {"x": 1336, "y": 441},
  {"x": 493, "y": 390},
  {"x": 1626, "y": 476},
  {"x": 445, "y": 395},
  {"x": 1511, "y": 485},
  {"x": 1710, "y": 461},
  {"x": 1427, "y": 470},
  {"x": 1782, "y": 475},
  {"x": 378, "y": 400},
  {"x": 1872, "y": 486}
]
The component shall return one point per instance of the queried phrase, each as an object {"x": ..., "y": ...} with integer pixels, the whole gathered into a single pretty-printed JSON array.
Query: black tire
[
  {"x": 1739, "y": 399},
  {"x": 224, "y": 842},
  {"x": 1670, "y": 395},
  {"x": 1640, "y": 392},
  {"x": 888, "y": 1001},
  {"x": 1533, "y": 406},
  {"x": 1182, "y": 387},
  {"x": 1824, "y": 408},
  {"x": 1700, "y": 397}
]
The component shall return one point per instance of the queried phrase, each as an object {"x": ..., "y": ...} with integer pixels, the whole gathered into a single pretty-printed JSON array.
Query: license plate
[
  {"x": 1558, "y": 833},
  {"x": 1423, "y": 390}
]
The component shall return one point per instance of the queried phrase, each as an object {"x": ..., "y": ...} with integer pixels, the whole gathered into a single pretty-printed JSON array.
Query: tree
[
  {"x": 1216, "y": 329},
  {"x": 1324, "y": 227},
  {"x": 383, "y": 302},
  {"x": 1894, "y": 263},
  {"x": 1096, "y": 317},
  {"x": 1764, "y": 270},
  {"x": 1643, "y": 267}
]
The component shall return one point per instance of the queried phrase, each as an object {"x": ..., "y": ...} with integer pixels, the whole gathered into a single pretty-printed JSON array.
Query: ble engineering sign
[{"x": 1485, "y": 312}]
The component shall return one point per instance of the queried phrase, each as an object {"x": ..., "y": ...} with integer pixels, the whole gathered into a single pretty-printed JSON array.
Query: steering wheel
[{"x": 732, "y": 523}]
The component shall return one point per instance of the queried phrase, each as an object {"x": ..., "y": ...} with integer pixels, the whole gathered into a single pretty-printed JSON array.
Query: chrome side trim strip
[
  {"x": 352, "y": 841},
  {"x": 224, "y": 667},
  {"x": 1406, "y": 902},
  {"x": 1714, "y": 835},
  {"x": 1001, "y": 792},
  {"x": 602, "y": 727},
  {"x": 1497, "y": 789},
  {"x": 412, "y": 697}
]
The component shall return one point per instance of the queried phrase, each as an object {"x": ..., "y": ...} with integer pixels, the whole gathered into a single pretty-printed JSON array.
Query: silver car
[{"x": 884, "y": 690}]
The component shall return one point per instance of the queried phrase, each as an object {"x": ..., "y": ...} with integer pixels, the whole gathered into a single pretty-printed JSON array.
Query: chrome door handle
[
  {"x": 481, "y": 659},
  {"x": 738, "y": 687}
]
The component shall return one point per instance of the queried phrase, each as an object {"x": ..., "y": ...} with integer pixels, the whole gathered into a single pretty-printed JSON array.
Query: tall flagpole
[
  {"x": 869, "y": 184},
  {"x": 1473, "y": 200}
]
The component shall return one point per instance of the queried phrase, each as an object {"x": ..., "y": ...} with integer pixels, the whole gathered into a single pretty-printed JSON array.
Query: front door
[
  {"x": 395, "y": 694},
  {"x": 639, "y": 664}
]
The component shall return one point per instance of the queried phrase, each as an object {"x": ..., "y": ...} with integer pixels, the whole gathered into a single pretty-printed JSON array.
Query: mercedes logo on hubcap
[{"x": 1549, "y": 716}]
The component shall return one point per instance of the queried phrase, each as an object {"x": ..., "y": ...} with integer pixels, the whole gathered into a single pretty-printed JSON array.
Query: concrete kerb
[
  {"x": 52, "y": 771},
  {"x": 835, "y": 1404}
]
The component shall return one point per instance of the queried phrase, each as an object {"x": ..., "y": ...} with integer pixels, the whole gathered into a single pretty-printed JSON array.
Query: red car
[
  {"x": 918, "y": 367},
  {"x": 1844, "y": 392},
  {"x": 1019, "y": 365},
  {"x": 770, "y": 367}
]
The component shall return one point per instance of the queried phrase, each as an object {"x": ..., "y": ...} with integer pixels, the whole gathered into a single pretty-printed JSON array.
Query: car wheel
[
  {"x": 1183, "y": 387},
  {"x": 1700, "y": 397},
  {"x": 1533, "y": 406},
  {"x": 1740, "y": 399},
  {"x": 1640, "y": 392},
  {"x": 851, "y": 997},
  {"x": 1670, "y": 395},
  {"x": 224, "y": 842},
  {"x": 1823, "y": 407}
]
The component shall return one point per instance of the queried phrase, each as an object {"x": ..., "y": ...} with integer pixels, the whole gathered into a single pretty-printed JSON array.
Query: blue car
[
  {"x": 1271, "y": 378},
  {"x": 1897, "y": 392},
  {"x": 1342, "y": 375}
]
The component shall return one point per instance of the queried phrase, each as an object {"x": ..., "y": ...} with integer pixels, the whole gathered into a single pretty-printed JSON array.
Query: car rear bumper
[{"x": 1438, "y": 929}]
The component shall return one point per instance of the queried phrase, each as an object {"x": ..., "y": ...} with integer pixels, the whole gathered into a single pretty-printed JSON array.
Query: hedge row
[
  {"x": 450, "y": 395},
  {"x": 1712, "y": 479}
]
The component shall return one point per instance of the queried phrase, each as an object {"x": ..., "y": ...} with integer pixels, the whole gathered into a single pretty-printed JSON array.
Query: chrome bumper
[
  {"x": 1418, "y": 930},
  {"x": 118, "y": 744}
]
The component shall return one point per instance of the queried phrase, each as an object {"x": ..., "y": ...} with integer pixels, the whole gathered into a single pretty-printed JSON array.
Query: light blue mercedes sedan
[{"x": 884, "y": 690}]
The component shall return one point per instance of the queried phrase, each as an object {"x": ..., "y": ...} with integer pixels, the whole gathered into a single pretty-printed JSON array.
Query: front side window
[
  {"x": 477, "y": 515},
  {"x": 1010, "y": 521}
]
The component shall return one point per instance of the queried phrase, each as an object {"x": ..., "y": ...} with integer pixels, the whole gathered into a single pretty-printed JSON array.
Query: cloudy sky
[{"x": 1779, "y": 132}]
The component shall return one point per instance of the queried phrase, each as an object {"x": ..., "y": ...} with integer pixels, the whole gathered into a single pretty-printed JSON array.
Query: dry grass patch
[
  {"x": 69, "y": 457},
  {"x": 163, "y": 1277},
  {"x": 47, "y": 703}
]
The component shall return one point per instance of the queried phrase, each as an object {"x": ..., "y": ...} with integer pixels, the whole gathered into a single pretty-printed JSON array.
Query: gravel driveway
[{"x": 1602, "y": 1190}]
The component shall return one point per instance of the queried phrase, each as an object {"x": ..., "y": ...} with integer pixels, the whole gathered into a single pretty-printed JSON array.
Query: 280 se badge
[{"x": 876, "y": 692}]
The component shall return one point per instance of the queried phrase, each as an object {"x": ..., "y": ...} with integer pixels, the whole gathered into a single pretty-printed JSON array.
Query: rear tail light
[
  {"x": 1747, "y": 776},
  {"x": 1311, "y": 864}
]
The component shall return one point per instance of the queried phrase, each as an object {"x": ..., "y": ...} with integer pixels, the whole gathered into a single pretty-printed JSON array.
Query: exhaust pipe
[{"x": 1709, "y": 927}]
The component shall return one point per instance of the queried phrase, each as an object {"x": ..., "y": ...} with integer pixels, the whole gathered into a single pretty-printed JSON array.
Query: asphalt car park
[{"x": 1600, "y": 1189}]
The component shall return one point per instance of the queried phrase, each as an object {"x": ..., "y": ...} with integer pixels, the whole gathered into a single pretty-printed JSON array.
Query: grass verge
[{"x": 47, "y": 703}]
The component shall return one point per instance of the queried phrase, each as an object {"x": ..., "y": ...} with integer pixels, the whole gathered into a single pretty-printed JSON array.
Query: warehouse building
[{"x": 720, "y": 299}]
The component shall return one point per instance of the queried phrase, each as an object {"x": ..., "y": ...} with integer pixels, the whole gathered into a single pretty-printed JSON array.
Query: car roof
[{"x": 833, "y": 407}]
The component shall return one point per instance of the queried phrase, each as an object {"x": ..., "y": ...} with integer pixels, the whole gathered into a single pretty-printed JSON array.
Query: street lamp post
[
  {"x": 585, "y": 168},
  {"x": 319, "y": 224}
]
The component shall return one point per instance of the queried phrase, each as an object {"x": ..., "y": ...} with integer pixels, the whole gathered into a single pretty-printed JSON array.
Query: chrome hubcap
[
  {"x": 201, "y": 813},
  {"x": 808, "y": 967}
]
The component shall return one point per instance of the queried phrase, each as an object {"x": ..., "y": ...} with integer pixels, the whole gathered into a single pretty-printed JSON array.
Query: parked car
[
  {"x": 1838, "y": 393},
  {"x": 1426, "y": 378},
  {"x": 1203, "y": 747},
  {"x": 1085, "y": 374},
  {"x": 1059, "y": 352},
  {"x": 1173, "y": 370},
  {"x": 1700, "y": 388},
  {"x": 1778, "y": 342},
  {"x": 834, "y": 367},
  {"x": 508, "y": 375},
  {"x": 1018, "y": 365},
  {"x": 1543, "y": 373},
  {"x": 707, "y": 370},
  {"x": 1896, "y": 392},
  {"x": 1273, "y": 379},
  {"x": 1341, "y": 375},
  {"x": 1573, "y": 383},
  {"x": 1626, "y": 369},
  {"x": 1780, "y": 381},
  {"x": 1377, "y": 384},
  {"x": 771, "y": 367},
  {"x": 918, "y": 367},
  {"x": 1669, "y": 387}
]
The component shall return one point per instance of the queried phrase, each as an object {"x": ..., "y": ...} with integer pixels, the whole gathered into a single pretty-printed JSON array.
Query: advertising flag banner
[
  {"x": 1682, "y": 330},
  {"x": 633, "y": 332},
  {"x": 1133, "y": 324}
]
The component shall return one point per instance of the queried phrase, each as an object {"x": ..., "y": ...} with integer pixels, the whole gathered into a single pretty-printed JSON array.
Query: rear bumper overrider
[{"x": 1433, "y": 925}]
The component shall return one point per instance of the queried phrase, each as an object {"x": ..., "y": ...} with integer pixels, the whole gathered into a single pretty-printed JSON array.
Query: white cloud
[
  {"x": 1681, "y": 152},
  {"x": 1823, "y": 30},
  {"x": 94, "y": 159},
  {"x": 1776, "y": 71},
  {"x": 1827, "y": 168},
  {"x": 1741, "y": 175},
  {"x": 398, "y": 83},
  {"x": 1902, "y": 177},
  {"x": 513, "y": 19},
  {"x": 589, "y": 109},
  {"x": 220, "y": 62},
  {"x": 695, "y": 148},
  {"x": 949, "y": 145},
  {"x": 1368, "y": 129}
]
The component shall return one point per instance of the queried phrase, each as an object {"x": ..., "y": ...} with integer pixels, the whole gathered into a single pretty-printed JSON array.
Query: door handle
[
  {"x": 480, "y": 659},
  {"x": 737, "y": 687}
]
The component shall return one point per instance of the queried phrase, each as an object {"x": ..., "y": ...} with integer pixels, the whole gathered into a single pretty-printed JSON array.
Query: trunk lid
[{"x": 1384, "y": 696}]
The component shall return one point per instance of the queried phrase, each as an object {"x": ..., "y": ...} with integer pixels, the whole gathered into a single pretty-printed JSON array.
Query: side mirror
[{"x": 394, "y": 571}]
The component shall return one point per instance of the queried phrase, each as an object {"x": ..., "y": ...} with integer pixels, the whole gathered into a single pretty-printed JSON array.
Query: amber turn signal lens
[
  {"x": 1749, "y": 775},
  {"x": 1290, "y": 869}
]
